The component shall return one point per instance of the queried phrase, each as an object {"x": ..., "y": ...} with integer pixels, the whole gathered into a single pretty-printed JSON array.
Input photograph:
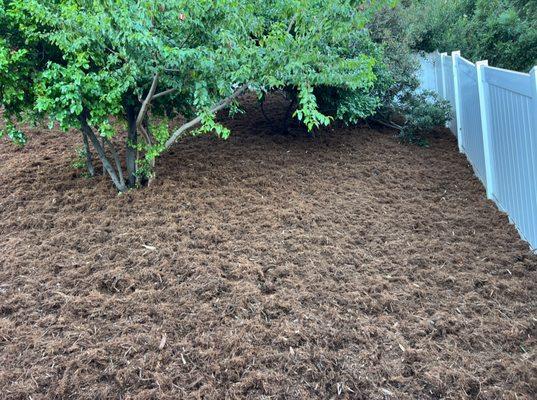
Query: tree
[
  {"x": 118, "y": 71},
  {"x": 144, "y": 62},
  {"x": 326, "y": 48},
  {"x": 117, "y": 60}
]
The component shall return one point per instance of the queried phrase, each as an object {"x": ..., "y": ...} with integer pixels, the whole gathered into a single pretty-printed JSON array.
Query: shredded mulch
[{"x": 340, "y": 265}]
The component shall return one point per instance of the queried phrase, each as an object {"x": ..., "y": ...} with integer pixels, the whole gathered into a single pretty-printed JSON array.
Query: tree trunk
[
  {"x": 117, "y": 161},
  {"x": 102, "y": 154},
  {"x": 287, "y": 117},
  {"x": 89, "y": 156},
  {"x": 145, "y": 126},
  {"x": 104, "y": 149},
  {"x": 131, "y": 151}
]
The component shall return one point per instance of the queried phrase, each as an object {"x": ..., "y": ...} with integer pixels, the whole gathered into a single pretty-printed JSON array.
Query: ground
[{"x": 344, "y": 265}]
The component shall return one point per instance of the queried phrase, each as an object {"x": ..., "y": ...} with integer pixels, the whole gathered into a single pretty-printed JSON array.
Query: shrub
[
  {"x": 418, "y": 114},
  {"x": 404, "y": 107},
  {"x": 393, "y": 99}
]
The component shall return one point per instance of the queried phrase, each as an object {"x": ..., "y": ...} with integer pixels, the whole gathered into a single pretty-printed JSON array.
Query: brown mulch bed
[{"x": 343, "y": 265}]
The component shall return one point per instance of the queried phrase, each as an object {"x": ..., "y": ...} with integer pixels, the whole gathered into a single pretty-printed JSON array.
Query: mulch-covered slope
[{"x": 266, "y": 266}]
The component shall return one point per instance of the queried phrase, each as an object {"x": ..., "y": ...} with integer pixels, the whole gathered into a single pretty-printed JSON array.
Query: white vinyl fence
[{"x": 495, "y": 121}]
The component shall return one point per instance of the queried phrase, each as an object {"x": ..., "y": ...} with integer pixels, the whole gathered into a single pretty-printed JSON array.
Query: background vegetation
[{"x": 502, "y": 31}]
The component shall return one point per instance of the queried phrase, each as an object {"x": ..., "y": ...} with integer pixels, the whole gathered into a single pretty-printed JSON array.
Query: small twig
[
  {"x": 117, "y": 54},
  {"x": 147, "y": 137}
]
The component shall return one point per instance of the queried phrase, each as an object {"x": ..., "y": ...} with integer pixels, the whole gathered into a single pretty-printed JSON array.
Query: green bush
[
  {"x": 394, "y": 98},
  {"x": 419, "y": 114}
]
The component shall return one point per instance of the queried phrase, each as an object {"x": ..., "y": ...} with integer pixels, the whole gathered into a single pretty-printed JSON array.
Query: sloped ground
[{"x": 267, "y": 266}]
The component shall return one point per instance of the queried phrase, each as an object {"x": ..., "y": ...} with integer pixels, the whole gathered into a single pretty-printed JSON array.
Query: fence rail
[{"x": 495, "y": 122}]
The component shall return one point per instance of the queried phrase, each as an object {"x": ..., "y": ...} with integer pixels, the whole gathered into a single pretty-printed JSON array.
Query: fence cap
[
  {"x": 456, "y": 53},
  {"x": 482, "y": 63}
]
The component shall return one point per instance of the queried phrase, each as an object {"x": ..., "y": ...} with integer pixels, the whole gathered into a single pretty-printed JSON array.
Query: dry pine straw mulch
[{"x": 344, "y": 265}]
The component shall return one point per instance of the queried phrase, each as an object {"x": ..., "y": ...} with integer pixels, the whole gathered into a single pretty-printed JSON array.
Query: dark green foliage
[
  {"x": 502, "y": 31},
  {"x": 401, "y": 105},
  {"x": 420, "y": 113},
  {"x": 393, "y": 99}
]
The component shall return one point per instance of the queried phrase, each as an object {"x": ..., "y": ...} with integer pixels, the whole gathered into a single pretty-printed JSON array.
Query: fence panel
[
  {"x": 427, "y": 72},
  {"x": 513, "y": 146},
  {"x": 448, "y": 91},
  {"x": 497, "y": 113},
  {"x": 471, "y": 134}
]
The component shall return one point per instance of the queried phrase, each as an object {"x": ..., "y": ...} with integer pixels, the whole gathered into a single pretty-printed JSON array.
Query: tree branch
[
  {"x": 147, "y": 100},
  {"x": 146, "y": 134},
  {"x": 185, "y": 127},
  {"x": 164, "y": 93},
  {"x": 389, "y": 124},
  {"x": 131, "y": 145},
  {"x": 291, "y": 23},
  {"x": 146, "y": 131}
]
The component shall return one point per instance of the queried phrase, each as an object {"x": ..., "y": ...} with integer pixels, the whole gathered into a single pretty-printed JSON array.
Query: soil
[{"x": 338, "y": 265}]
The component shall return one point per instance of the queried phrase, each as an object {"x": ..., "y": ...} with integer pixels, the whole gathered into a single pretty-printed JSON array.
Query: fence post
[
  {"x": 486, "y": 125},
  {"x": 533, "y": 74},
  {"x": 443, "y": 72},
  {"x": 533, "y": 82},
  {"x": 437, "y": 73},
  {"x": 458, "y": 98}
]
